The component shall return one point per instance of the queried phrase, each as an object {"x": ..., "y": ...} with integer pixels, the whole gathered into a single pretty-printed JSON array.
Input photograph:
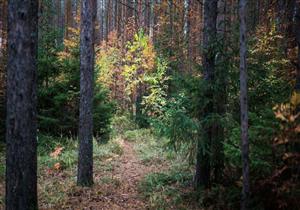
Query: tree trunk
[
  {"x": 59, "y": 20},
  {"x": 85, "y": 161},
  {"x": 244, "y": 105},
  {"x": 100, "y": 15},
  {"x": 220, "y": 97},
  {"x": 186, "y": 27},
  {"x": 203, "y": 165},
  {"x": 105, "y": 26},
  {"x": 21, "y": 154},
  {"x": 151, "y": 21},
  {"x": 297, "y": 35},
  {"x": 68, "y": 17},
  {"x": 171, "y": 14},
  {"x": 114, "y": 14},
  {"x": 136, "y": 14},
  {"x": 74, "y": 13},
  {"x": 186, "y": 32}
]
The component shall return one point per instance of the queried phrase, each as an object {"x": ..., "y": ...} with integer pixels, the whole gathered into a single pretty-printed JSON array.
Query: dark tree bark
[
  {"x": 21, "y": 155},
  {"x": 203, "y": 165},
  {"x": 297, "y": 35},
  {"x": 288, "y": 25},
  {"x": 114, "y": 14},
  {"x": 171, "y": 14},
  {"x": 220, "y": 96},
  {"x": 244, "y": 105},
  {"x": 68, "y": 17},
  {"x": 85, "y": 161}
]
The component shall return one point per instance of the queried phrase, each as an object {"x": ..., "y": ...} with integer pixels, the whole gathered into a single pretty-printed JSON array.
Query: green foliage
[
  {"x": 150, "y": 148},
  {"x": 105, "y": 151},
  {"x": 122, "y": 123},
  {"x": 137, "y": 135},
  {"x": 172, "y": 116},
  {"x": 262, "y": 130},
  {"x": 157, "y": 90},
  {"x": 58, "y": 91},
  {"x": 67, "y": 151},
  {"x": 161, "y": 189},
  {"x": 139, "y": 60},
  {"x": 269, "y": 82},
  {"x": 268, "y": 86},
  {"x": 102, "y": 114}
]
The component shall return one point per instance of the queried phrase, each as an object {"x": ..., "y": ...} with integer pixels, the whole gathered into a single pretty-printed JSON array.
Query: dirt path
[{"x": 114, "y": 189}]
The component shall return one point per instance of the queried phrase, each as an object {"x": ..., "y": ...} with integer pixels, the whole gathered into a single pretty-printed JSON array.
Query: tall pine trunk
[
  {"x": 220, "y": 96},
  {"x": 21, "y": 153},
  {"x": 297, "y": 35},
  {"x": 244, "y": 105},
  {"x": 203, "y": 162},
  {"x": 85, "y": 161},
  {"x": 151, "y": 21},
  {"x": 186, "y": 33},
  {"x": 171, "y": 16}
]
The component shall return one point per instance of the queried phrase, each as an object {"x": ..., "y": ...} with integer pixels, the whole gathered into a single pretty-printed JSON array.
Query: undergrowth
[
  {"x": 170, "y": 189},
  {"x": 57, "y": 167}
]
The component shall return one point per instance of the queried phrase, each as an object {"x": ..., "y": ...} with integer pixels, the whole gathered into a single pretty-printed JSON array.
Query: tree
[
  {"x": 151, "y": 21},
  {"x": 21, "y": 155},
  {"x": 186, "y": 31},
  {"x": 244, "y": 105},
  {"x": 85, "y": 161},
  {"x": 220, "y": 96},
  {"x": 171, "y": 14},
  {"x": 297, "y": 35},
  {"x": 68, "y": 17},
  {"x": 203, "y": 165}
]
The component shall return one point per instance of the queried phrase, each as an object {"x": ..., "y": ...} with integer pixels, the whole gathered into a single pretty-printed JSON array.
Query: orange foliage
[{"x": 57, "y": 151}]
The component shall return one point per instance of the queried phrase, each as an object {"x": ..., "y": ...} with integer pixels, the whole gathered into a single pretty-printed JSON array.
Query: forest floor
[
  {"x": 116, "y": 187},
  {"x": 132, "y": 171}
]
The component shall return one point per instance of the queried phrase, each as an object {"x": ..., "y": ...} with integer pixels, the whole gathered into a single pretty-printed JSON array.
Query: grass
[
  {"x": 150, "y": 148},
  {"x": 55, "y": 184},
  {"x": 121, "y": 124},
  {"x": 168, "y": 189}
]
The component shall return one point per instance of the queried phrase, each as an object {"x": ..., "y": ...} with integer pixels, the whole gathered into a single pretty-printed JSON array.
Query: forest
[{"x": 150, "y": 104}]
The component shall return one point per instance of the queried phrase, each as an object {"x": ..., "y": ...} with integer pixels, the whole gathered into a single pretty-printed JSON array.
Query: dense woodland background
[{"x": 167, "y": 83}]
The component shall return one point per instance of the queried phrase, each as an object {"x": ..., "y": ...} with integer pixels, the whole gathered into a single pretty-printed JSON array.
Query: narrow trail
[
  {"x": 120, "y": 190},
  {"x": 129, "y": 172}
]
